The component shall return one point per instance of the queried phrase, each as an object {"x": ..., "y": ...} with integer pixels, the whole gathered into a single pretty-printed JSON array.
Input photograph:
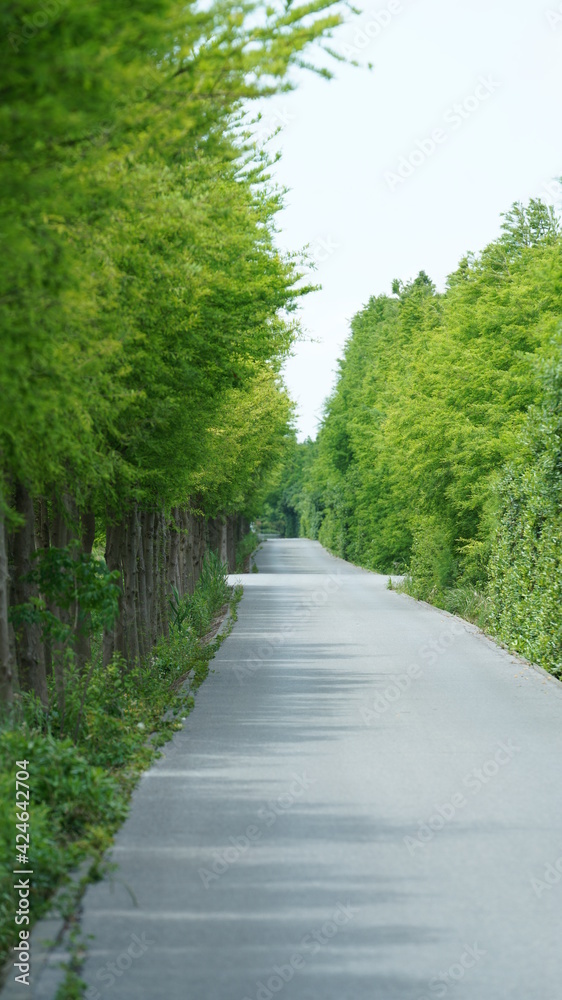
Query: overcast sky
[{"x": 349, "y": 144}]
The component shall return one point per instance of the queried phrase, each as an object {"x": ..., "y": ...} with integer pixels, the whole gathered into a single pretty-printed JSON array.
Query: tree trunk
[
  {"x": 163, "y": 576},
  {"x": 62, "y": 529},
  {"x": 231, "y": 539},
  {"x": 29, "y": 649},
  {"x": 113, "y": 637},
  {"x": 213, "y": 535},
  {"x": 223, "y": 552},
  {"x": 187, "y": 567},
  {"x": 149, "y": 555},
  {"x": 196, "y": 550},
  {"x": 182, "y": 550},
  {"x": 82, "y": 646},
  {"x": 156, "y": 579},
  {"x": 200, "y": 546},
  {"x": 130, "y": 567},
  {"x": 174, "y": 551},
  {"x": 142, "y": 603},
  {"x": 44, "y": 541},
  {"x": 189, "y": 552},
  {"x": 6, "y": 662}
]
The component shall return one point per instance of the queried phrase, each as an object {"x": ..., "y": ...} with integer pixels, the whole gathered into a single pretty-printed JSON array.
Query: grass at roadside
[
  {"x": 466, "y": 602},
  {"x": 83, "y": 767},
  {"x": 535, "y": 639},
  {"x": 244, "y": 551}
]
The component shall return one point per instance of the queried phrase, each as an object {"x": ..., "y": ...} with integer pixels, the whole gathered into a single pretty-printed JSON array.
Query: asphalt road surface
[{"x": 365, "y": 804}]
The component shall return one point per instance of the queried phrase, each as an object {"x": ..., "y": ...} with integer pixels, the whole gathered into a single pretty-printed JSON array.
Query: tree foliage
[
  {"x": 418, "y": 465},
  {"x": 145, "y": 310}
]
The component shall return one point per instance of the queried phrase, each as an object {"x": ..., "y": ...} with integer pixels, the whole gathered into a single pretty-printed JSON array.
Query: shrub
[
  {"x": 69, "y": 801},
  {"x": 526, "y": 564},
  {"x": 245, "y": 548},
  {"x": 433, "y": 565},
  {"x": 84, "y": 761}
]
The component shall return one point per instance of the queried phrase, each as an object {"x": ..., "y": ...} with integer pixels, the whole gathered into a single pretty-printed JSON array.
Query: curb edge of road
[{"x": 485, "y": 637}]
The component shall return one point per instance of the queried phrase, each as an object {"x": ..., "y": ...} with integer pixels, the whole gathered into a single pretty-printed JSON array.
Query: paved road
[{"x": 355, "y": 810}]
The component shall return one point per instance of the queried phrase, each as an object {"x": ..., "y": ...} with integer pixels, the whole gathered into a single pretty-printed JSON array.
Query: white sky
[{"x": 341, "y": 138}]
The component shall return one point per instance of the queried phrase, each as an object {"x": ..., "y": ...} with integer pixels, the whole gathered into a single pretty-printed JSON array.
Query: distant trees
[
  {"x": 439, "y": 450},
  {"x": 144, "y": 312}
]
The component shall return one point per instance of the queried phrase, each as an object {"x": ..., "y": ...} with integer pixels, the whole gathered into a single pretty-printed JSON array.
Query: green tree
[
  {"x": 433, "y": 393},
  {"x": 142, "y": 290}
]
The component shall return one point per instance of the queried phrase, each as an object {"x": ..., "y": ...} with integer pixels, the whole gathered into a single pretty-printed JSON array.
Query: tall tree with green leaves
[
  {"x": 433, "y": 393},
  {"x": 142, "y": 291}
]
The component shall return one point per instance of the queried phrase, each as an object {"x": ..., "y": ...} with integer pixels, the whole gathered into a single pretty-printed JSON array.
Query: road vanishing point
[{"x": 364, "y": 804}]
